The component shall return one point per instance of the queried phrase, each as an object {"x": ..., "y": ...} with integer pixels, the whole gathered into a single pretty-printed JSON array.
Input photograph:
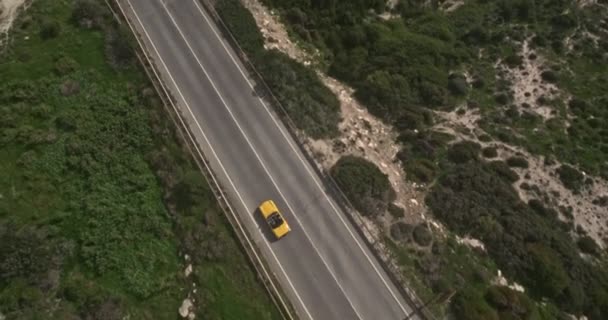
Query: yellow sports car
[{"x": 275, "y": 219}]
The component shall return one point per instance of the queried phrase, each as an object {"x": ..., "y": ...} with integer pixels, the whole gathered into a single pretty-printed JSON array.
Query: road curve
[{"x": 323, "y": 265}]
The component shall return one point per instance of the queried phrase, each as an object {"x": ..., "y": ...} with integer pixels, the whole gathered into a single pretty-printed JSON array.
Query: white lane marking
[
  {"x": 331, "y": 272},
  {"x": 313, "y": 175},
  {"x": 217, "y": 158}
]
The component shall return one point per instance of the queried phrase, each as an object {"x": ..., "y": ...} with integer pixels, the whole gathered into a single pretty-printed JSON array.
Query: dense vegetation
[
  {"x": 364, "y": 184},
  {"x": 405, "y": 68},
  {"x": 312, "y": 106},
  {"x": 401, "y": 68},
  {"x": 528, "y": 242},
  {"x": 98, "y": 200}
]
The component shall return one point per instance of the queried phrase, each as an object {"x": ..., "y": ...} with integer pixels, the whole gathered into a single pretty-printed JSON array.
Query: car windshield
[{"x": 275, "y": 220}]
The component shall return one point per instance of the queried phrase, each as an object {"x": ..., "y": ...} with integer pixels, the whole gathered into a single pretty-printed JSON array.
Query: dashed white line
[
  {"x": 259, "y": 158},
  {"x": 304, "y": 163},
  {"x": 216, "y": 157}
]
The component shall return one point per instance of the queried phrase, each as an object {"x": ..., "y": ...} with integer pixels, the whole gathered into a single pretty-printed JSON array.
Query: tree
[
  {"x": 49, "y": 29},
  {"x": 463, "y": 151},
  {"x": 469, "y": 304},
  {"x": 364, "y": 184},
  {"x": 457, "y": 84},
  {"x": 588, "y": 245},
  {"x": 548, "y": 274},
  {"x": 422, "y": 235},
  {"x": 570, "y": 177}
]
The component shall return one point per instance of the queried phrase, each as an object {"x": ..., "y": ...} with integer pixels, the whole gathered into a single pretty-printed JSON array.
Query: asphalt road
[{"x": 323, "y": 265}]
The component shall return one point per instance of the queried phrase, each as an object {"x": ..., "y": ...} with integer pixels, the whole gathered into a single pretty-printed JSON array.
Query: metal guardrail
[
  {"x": 266, "y": 277},
  {"x": 374, "y": 243}
]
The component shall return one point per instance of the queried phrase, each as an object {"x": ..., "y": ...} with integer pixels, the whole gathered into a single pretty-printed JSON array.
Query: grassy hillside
[
  {"x": 410, "y": 69},
  {"x": 99, "y": 202}
]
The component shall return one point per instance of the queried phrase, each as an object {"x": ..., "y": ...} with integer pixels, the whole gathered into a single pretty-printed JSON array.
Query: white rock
[
  {"x": 184, "y": 309},
  {"x": 414, "y": 201},
  {"x": 188, "y": 270}
]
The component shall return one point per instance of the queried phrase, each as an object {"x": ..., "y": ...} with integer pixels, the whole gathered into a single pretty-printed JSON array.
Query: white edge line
[
  {"x": 260, "y": 160},
  {"x": 303, "y": 162},
  {"x": 219, "y": 162}
]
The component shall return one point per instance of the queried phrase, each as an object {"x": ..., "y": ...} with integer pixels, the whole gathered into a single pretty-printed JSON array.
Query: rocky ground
[
  {"x": 8, "y": 12},
  {"x": 364, "y": 135}
]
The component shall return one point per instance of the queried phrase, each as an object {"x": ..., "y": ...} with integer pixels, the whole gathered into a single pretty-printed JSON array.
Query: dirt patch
[
  {"x": 540, "y": 180},
  {"x": 527, "y": 84},
  {"x": 450, "y": 5},
  {"x": 8, "y": 12},
  {"x": 364, "y": 135},
  {"x": 361, "y": 134},
  {"x": 275, "y": 34}
]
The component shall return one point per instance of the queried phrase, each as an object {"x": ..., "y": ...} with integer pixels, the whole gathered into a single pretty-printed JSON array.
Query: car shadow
[{"x": 266, "y": 231}]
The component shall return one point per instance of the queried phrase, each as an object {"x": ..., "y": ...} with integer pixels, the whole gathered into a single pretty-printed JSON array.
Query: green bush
[
  {"x": 570, "y": 177},
  {"x": 396, "y": 211},
  {"x": 517, "y": 162},
  {"x": 88, "y": 13},
  {"x": 401, "y": 231},
  {"x": 503, "y": 171},
  {"x": 457, "y": 84},
  {"x": 509, "y": 303},
  {"x": 588, "y": 245},
  {"x": 549, "y": 76},
  {"x": 464, "y": 151},
  {"x": 364, "y": 184},
  {"x": 119, "y": 47},
  {"x": 421, "y": 170},
  {"x": 49, "y": 29},
  {"x": 242, "y": 25},
  {"x": 311, "y": 105},
  {"x": 308, "y": 102},
  {"x": 489, "y": 152},
  {"x": 470, "y": 304},
  {"x": 473, "y": 199},
  {"x": 422, "y": 235}
]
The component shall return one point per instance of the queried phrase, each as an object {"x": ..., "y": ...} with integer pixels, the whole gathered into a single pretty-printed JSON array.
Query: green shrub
[
  {"x": 517, "y": 162},
  {"x": 570, "y": 177},
  {"x": 311, "y": 105},
  {"x": 587, "y": 245},
  {"x": 549, "y": 76},
  {"x": 469, "y": 304},
  {"x": 463, "y": 151},
  {"x": 489, "y": 152},
  {"x": 473, "y": 199},
  {"x": 510, "y": 303},
  {"x": 396, "y": 211},
  {"x": 548, "y": 273},
  {"x": 401, "y": 231},
  {"x": 88, "y": 13},
  {"x": 308, "y": 102},
  {"x": 503, "y": 171},
  {"x": 242, "y": 25},
  {"x": 364, "y": 184},
  {"x": 119, "y": 47},
  {"x": 421, "y": 170},
  {"x": 65, "y": 65},
  {"x": 49, "y": 29},
  {"x": 422, "y": 235},
  {"x": 457, "y": 84}
]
